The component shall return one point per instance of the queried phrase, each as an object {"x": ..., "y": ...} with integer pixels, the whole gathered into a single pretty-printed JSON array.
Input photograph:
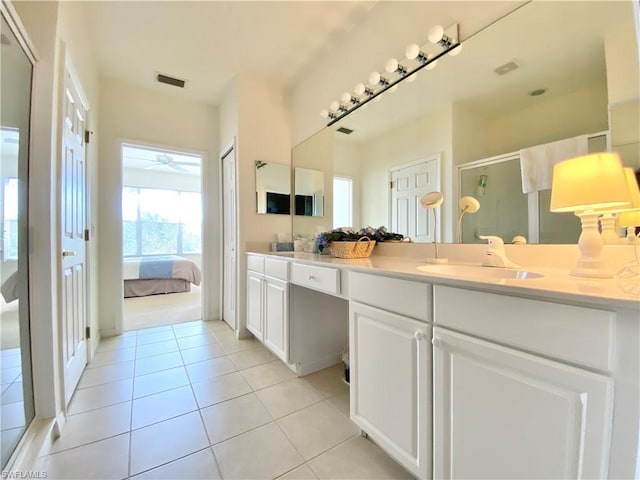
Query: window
[
  {"x": 342, "y": 202},
  {"x": 160, "y": 222},
  {"x": 10, "y": 216}
]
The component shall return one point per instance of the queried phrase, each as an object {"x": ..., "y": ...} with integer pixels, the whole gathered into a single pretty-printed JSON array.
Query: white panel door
[
  {"x": 229, "y": 219},
  {"x": 408, "y": 185},
  {"x": 255, "y": 303},
  {"x": 501, "y": 413},
  {"x": 390, "y": 361},
  {"x": 73, "y": 285},
  {"x": 276, "y": 317}
]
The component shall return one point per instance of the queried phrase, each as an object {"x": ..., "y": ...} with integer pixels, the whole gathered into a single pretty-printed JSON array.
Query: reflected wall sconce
[
  {"x": 583, "y": 185},
  {"x": 467, "y": 204},
  {"x": 442, "y": 40}
]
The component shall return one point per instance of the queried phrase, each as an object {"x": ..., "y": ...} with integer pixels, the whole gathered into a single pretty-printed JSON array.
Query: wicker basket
[{"x": 360, "y": 249}]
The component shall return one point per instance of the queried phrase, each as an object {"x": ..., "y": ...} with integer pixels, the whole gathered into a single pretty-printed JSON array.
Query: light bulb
[
  {"x": 374, "y": 78},
  {"x": 391, "y": 65},
  {"x": 324, "y": 113},
  {"x": 412, "y": 51},
  {"x": 335, "y": 106},
  {"x": 346, "y": 97},
  {"x": 435, "y": 33},
  {"x": 359, "y": 89}
]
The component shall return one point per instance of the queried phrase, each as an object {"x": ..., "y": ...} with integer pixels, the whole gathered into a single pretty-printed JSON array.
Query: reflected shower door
[{"x": 17, "y": 407}]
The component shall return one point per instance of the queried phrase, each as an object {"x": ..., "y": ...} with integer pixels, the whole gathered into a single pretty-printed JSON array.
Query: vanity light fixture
[
  {"x": 418, "y": 57},
  {"x": 583, "y": 185}
]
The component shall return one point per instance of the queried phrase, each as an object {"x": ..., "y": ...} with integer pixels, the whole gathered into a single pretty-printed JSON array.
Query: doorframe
[
  {"x": 232, "y": 148},
  {"x": 119, "y": 320}
]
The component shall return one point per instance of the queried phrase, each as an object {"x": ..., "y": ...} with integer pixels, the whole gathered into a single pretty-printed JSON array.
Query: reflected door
[
  {"x": 229, "y": 218},
  {"x": 17, "y": 407}
]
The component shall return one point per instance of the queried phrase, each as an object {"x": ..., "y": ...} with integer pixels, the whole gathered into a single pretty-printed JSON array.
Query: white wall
[{"x": 147, "y": 117}]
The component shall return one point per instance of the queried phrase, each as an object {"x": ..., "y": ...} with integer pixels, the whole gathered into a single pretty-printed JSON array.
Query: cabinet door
[
  {"x": 390, "y": 361},
  {"x": 502, "y": 413},
  {"x": 254, "y": 303},
  {"x": 276, "y": 319}
]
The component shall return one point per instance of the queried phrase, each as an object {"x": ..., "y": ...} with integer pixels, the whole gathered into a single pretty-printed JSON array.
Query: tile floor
[{"x": 190, "y": 401}]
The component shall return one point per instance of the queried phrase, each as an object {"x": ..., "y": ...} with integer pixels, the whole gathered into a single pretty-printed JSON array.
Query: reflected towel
[{"x": 536, "y": 163}]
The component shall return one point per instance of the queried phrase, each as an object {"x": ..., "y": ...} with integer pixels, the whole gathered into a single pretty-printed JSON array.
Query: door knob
[
  {"x": 419, "y": 336},
  {"x": 436, "y": 342},
  {"x": 310, "y": 277},
  {"x": 68, "y": 253}
]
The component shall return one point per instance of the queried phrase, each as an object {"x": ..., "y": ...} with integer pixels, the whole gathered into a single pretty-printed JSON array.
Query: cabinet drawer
[
  {"x": 276, "y": 268},
  {"x": 255, "y": 263},
  {"x": 412, "y": 299},
  {"x": 576, "y": 334},
  {"x": 316, "y": 278}
]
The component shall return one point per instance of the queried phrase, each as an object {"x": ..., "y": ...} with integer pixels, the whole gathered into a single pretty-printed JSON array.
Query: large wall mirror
[
  {"x": 547, "y": 71},
  {"x": 273, "y": 188}
]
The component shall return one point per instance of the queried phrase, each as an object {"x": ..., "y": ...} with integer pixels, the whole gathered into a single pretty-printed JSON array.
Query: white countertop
[{"x": 556, "y": 284}]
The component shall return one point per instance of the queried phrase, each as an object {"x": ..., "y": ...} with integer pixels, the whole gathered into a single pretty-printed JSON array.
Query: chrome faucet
[{"x": 495, "y": 255}]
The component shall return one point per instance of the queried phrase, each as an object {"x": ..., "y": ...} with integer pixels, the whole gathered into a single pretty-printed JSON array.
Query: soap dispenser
[{"x": 495, "y": 255}]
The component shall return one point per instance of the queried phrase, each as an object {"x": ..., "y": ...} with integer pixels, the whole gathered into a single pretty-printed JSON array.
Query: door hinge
[
  {"x": 87, "y": 332},
  {"x": 86, "y": 235},
  {"x": 87, "y": 136},
  {"x": 391, "y": 185}
]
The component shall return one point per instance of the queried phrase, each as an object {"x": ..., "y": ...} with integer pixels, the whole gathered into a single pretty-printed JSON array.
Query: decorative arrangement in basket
[{"x": 347, "y": 243}]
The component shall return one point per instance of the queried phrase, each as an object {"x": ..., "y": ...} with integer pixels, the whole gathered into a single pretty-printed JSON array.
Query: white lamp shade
[
  {"x": 359, "y": 89},
  {"x": 374, "y": 78},
  {"x": 435, "y": 33},
  {"x": 334, "y": 106},
  {"x": 634, "y": 190},
  {"x": 346, "y": 97},
  {"x": 391, "y": 65},
  {"x": 629, "y": 219},
  {"x": 594, "y": 181},
  {"x": 412, "y": 51}
]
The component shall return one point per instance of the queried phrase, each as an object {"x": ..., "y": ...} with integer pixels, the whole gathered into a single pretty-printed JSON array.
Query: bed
[{"x": 158, "y": 274}]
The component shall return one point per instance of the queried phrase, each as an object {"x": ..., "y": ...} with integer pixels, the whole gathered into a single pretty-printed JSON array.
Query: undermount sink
[{"x": 479, "y": 272}]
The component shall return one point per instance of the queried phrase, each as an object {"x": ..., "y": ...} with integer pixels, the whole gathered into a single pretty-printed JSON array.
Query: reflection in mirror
[
  {"x": 273, "y": 188},
  {"x": 587, "y": 69},
  {"x": 17, "y": 407},
  {"x": 309, "y": 192}
]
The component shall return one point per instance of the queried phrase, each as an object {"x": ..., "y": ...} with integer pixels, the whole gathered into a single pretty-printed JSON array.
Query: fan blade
[{"x": 178, "y": 168}]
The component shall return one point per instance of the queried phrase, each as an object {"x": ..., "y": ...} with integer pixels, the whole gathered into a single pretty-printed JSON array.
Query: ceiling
[{"x": 207, "y": 43}]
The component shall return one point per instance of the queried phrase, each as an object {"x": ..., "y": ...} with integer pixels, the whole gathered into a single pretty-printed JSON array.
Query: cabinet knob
[
  {"x": 310, "y": 277},
  {"x": 419, "y": 336},
  {"x": 436, "y": 342}
]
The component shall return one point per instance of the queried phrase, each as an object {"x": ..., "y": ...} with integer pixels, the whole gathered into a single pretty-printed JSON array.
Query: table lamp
[
  {"x": 608, "y": 218},
  {"x": 582, "y": 185},
  {"x": 431, "y": 201},
  {"x": 630, "y": 220}
]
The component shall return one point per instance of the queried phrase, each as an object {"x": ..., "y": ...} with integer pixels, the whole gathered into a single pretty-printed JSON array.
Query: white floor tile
[
  {"x": 13, "y": 393},
  {"x": 158, "y": 363},
  {"x": 215, "y": 367},
  {"x": 162, "y": 406},
  {"x": 110, "y": 357},
  {"x": 341, "y": 402},
  {"x": 219, "y": 389},
  {"x": 159, "y": 382},
  {"x": 107, "y": 459},
  {"x": 151, "y": 330},
  {"x": 252, "y": 357},
  {"x": 196, "y": 341},
  {"x": 233, "y": 417},
  {"x": 101, "y": 396},
  {"x": 356, "y": 458},
  {"x": 11, "y": 361},
  {"x": 267, "y": 374},
  {"x": 231, "y": 344},
  {"x": 190, "y": 331},
  {"x": 216, "y": 325},
  {"x": 197, "y": 466},
  {"x": 287, "y": 397},
  {"x": 114, "y": 343},
  {"x": 303, "y": 472},
  {"x": 163, "y": 442},
  {"x": 155, "y": 337},
  {"x": 101, "y": 375},
  {"x": 193, "y": 323},
  {"x": 317, "y": 428},
  {"x": 261, "y": 453},
  {"x": 94, "y": 425},
  {"x": 154, "y": 349},
  {"x": 202, "y": 353},
  {"x": 328, "y": 381},
  {"x": 8, "y": 440},
  {"x": 12, "y": 415},
  {"x": 10, "y": 375}
]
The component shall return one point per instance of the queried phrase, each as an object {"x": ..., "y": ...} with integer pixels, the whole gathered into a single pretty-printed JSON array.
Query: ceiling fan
[{"x": 164, "y": 160}]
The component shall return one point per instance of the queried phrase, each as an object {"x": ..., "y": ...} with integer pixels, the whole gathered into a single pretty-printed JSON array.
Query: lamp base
[
  {"x": 592, "y": 269},
  {"x": 437, "y": 260},
  {"x": 590, "y": 263}
]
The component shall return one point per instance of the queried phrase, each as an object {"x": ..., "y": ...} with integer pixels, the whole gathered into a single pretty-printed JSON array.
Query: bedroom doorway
[{"x": 162, "y": 236}]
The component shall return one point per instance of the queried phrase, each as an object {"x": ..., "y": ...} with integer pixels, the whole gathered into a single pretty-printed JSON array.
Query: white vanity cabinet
[
  {"x": 390, "y": 361},
  {"x": 268, "y": 304},
  {"x": 500, "y": 412}
]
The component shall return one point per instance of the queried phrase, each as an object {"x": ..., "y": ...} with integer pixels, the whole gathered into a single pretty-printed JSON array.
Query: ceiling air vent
[
  {"x": 345, "y": 130},
  {"x": 507, "y": 67},
  {"x": 176, "y": 82}
]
